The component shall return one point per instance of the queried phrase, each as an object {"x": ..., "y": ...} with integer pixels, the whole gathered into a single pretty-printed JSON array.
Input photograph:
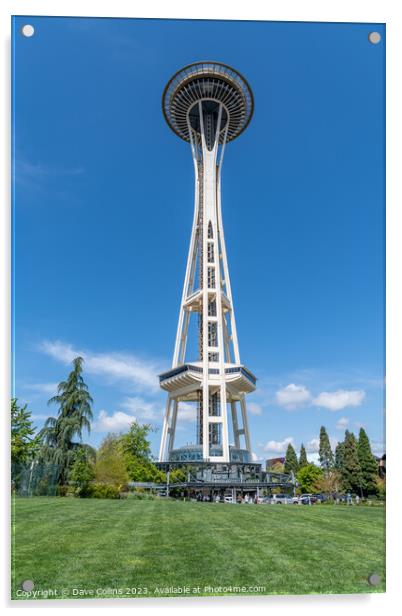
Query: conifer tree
[
  {"x": 291, "y": 463},
  {"x": 351, "y": 471},
  {"x": 303, "y": 457},
  {"x": 74, "y": 416},
  {"x": 24, "y": 443},
  {"x": 325, "y": 451},
  {"x": 368, "y": 464},
  {"x": 339, "y": 455}
]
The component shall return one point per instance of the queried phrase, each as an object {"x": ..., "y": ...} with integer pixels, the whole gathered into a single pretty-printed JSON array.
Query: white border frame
[{"x": 379, "y": 11}]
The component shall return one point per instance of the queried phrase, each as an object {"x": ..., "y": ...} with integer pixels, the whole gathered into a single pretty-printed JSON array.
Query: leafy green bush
[{"x": 102, "y": 490}]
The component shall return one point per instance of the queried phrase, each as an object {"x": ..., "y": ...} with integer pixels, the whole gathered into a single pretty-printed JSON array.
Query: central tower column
[
  {"x": 207, "y": 104},
  {"x": 206, "y": 129}
]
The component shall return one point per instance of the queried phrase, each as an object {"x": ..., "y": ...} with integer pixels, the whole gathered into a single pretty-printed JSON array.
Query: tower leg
[
  {"x": 224, "y": 415},
  {"x": 205, "y": 422},
  {"x": 245, "y": 422},
  {"x": 235, "y": 425},
  {"x": 172, "y": 429},
  {"x": 165, "y": 429}
]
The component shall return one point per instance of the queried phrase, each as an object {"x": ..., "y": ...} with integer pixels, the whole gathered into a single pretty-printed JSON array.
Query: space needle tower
[{"x": 207, "y": 104}]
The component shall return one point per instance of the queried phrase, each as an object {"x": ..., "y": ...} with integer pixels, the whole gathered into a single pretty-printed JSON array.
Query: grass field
[{"x": 114, "y": 548}]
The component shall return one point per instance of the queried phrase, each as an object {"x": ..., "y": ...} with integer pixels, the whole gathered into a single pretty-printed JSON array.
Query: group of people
[{"x": 217, "y": 498}]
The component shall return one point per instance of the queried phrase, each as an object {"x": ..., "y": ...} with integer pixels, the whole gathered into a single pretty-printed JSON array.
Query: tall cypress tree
[
  {"x": 351, "y": 473},
  {"x": 302, "y": 457},
  {"x": 368, "y": 464},
  {"x": 339, "y": 455},
  {"x": 291, "y": 463},
  {"x": 325, "y": 451}
]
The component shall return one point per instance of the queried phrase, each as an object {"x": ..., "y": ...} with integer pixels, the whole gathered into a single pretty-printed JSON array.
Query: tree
[
  {"x": 74, "y": 416},
  {"x": 351, "y": 473},
  {"x": 136, "y": 450},
  {"x": 291, "y": 463},
  {"x": 307, "y": 477},
  {"x": 339, "y": 455},
  {"x": 135, "y": 442},
  {"x": 325, "y": 451},
  {"x": 24, "y": 443},
  {"x": 83, "y": 470},
  {"x": 368, "y": 464},
  {"x": 329, "y": 483},
  {"x": 110, "y": 466},
  {"x": 303, "y": 457}
]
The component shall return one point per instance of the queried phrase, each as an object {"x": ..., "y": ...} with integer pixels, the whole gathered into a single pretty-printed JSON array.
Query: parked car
[
  {"x": 228, "y": 499},
  {"x": 305, "y": 499},
  {"x": 280, "y": 499}
]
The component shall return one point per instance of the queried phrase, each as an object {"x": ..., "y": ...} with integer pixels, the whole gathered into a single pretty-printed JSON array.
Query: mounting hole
[
  {"x": 374, "y": 38},
  {"x": 374, "y": 579},
  {"x": 27, "y": 585},
  {"x": 28, "y": 30}
]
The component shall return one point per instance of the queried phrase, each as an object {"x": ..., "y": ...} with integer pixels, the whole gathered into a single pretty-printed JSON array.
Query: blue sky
[{"x": 103, "y": 198}]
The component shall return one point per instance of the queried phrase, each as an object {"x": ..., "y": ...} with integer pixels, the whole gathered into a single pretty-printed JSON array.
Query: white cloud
[
  {"x": 116, "y": 422},
  {"x": 292, "y": 396},
  {"x": 142, "y": 409},
  {"x": 313, "y": 446},
  {"x": 45, "y": 388},
  {"x": 340, "y": 399},
  {"x": 254, "y": 408},
  {"x": 152, "y": 411},
  {"x": 187, "y": 412},
  {"x": 115, "y": 366},
  {"x": 279, "y": 446},
  {"x": 313, "y": 458},
  {"x": 377, "y": 448},
  {"x": 342, "y": 423}
]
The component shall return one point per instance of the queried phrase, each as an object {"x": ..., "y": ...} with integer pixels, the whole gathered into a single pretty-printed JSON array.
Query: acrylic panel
[{"x": 198, "y": 308}]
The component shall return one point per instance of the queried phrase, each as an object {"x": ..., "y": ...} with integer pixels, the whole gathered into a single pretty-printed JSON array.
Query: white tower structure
[{"x": 208, "y": 104}]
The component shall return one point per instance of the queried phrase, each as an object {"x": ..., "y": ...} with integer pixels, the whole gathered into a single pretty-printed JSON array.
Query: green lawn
[{"x": 115, "y": 546}]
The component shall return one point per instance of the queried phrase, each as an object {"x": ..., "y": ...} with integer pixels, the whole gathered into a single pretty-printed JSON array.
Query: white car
[{"x": 280, "y": 499}]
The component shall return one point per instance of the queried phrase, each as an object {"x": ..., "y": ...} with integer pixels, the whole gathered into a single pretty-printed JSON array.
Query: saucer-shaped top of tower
[{"x": 213, "y": 83}]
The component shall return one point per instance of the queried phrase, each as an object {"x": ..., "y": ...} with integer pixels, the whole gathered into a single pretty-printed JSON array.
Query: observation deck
[
  {"x": 239, "y": 379},
  {"x": 208, "y": 81}
]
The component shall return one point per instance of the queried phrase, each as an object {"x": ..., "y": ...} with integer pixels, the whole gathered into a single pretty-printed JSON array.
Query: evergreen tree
[
  {"x": 368, "y": 464},
  {"x": 325, "y": 451},
  {"x": 339, "y": 455},
  {"x": 291, "y": 463},
  {"x": 74, "y": 415},
  {"x": 23, "y": 442},
  {"x": 351, "y": 473},
  {"x": 303, "y": 457}
]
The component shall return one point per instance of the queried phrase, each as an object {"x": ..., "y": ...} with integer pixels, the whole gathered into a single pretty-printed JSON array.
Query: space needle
[{"x": 207, "y": 104}]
